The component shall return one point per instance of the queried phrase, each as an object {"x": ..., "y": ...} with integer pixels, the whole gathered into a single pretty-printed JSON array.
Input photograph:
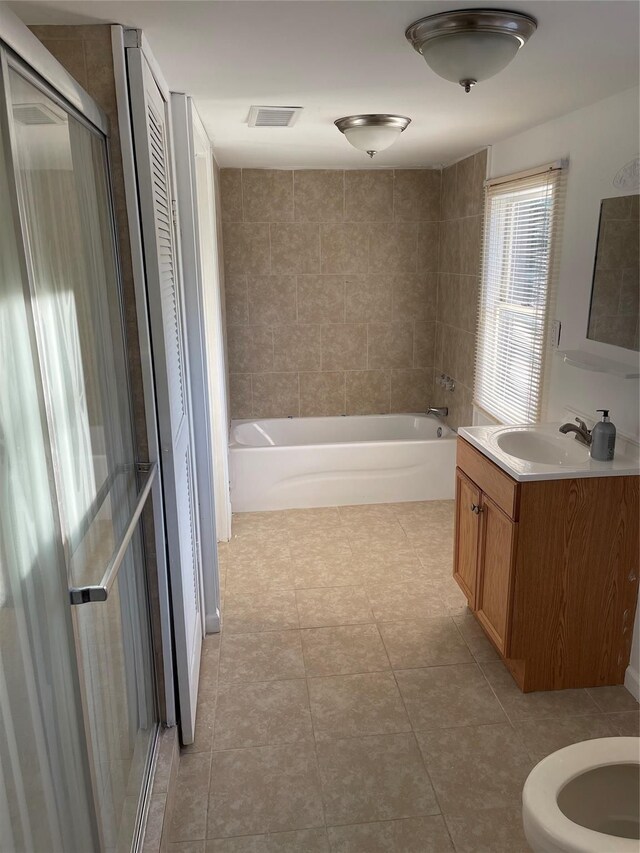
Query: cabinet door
[
  {"x": 465, "y": 567},
  {"x": 495, "y": 578}
]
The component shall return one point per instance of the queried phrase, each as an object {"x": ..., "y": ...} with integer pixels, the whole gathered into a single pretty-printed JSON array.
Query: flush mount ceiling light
[
  {"x": 372, "y": 133},
  {"x": 472, "y": 44}
]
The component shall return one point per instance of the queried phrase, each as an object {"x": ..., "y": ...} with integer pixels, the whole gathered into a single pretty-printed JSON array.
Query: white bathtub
[{"x": 289, "y": 463}]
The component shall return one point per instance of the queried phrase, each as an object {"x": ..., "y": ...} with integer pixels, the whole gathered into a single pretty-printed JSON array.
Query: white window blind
[{"x": 521, "y": 232}]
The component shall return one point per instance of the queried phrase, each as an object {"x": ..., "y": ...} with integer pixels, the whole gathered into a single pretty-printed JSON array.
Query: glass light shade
[
  {"x": 471, "y": 55},
  {"x": 373, "y": 138}
]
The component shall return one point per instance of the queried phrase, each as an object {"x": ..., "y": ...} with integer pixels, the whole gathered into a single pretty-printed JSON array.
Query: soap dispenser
[{"x": 603, "y": 438}]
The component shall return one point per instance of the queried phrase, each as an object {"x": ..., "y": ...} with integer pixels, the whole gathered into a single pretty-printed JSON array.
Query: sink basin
[{"x": 543, "y": 448}]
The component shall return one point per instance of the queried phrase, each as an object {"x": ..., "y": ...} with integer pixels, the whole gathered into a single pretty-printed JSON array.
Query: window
[{"x": 520, "y": 237}]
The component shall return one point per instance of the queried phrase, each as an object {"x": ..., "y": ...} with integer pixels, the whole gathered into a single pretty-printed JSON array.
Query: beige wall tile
[
  {"x": 240, "y": 394},
  {"x": 344, "y": 347},
  {"x": 250, "y": 349},
  {"x": 458, "y": 352},
  {"x": 629, "y": 292},
  {"x": 246, "y": 247},
  {"x": 460, "y": 406},
  {"x": 450, "y": 239},
  {"x": 479, "y": 178},
  {"x": 368, "y": 392},
  {"x": 448, "y": 198},
  {"x": 410, "y": 390},
  {"x": 70, "y": 53},
  {"x": 416, "y": 195},
  {"x": 345, "y": 248},
  {"x": 275, "y": 395},
  {"x": 235, "y": 299},
  {"x": 320, "y": 279},
  {"x": 98, "y": 57},
  {"x": 271, "y": 299},
  {"x": 465, "y": 186},
  {"x": 390, "y": 345},
  {"x": 437, "y": 352},
  {"x": 321, "y": 298},
  {"x": 319, "y": 195},
  {"x": 231, "y": 194},
  {"x": 470, "y": 244},
  {"x": 368, "y": 195},
  {"x": 322, "y": 394},
  {"x": 393, "y": 248},
  {"x": 424, "y": 335},
  {"x": 368, "y": 298},
  {"x": 267, "y": 195},
  {"x": 415, "y": 296},
  {"x": 296, "y": 348},
  {"x": 458, "y": 301},
  {"x": 605, "y": 296},
  {"x": 295, "y": 248},
  {"x": 429, "y": 247}
]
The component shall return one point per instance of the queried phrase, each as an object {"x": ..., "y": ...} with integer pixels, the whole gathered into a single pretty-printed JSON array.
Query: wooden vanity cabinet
[{"x": 550, "y": 570}]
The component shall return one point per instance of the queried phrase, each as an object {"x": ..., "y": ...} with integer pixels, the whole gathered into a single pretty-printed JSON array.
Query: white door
[
  {"x": 197, "y": 241},
  {"x": 152, "y": 143}
]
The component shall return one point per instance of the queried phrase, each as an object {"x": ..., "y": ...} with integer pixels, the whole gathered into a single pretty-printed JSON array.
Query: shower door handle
[{"x": 100, "y": 592}]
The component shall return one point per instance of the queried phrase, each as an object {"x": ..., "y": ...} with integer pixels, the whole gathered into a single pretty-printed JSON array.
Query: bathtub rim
[{"x": 233, "y": 445}]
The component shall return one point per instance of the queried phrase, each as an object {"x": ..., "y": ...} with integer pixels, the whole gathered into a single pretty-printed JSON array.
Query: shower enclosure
[{"x": 78, "y": 705}]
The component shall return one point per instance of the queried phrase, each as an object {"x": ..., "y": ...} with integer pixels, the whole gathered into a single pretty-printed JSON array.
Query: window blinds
[{"x": 521, "y": 232}]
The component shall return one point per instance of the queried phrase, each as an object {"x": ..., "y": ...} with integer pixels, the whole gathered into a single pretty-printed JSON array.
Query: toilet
[{"x": 585, "y": 798}]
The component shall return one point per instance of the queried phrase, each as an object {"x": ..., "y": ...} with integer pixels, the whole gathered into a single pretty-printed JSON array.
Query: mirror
[{"x": 613, "y": 317}]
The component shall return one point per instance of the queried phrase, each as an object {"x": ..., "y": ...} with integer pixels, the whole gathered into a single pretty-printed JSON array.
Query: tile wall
[
  {"x": 331, "y": 290},
  {"x": 457, "y": 306}
]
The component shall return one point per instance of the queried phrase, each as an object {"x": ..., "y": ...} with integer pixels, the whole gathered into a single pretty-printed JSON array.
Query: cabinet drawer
[{"x": 489, "y": 478}]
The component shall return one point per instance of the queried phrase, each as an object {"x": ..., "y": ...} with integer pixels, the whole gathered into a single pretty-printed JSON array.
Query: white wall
[{"x": 598, "y": 141}]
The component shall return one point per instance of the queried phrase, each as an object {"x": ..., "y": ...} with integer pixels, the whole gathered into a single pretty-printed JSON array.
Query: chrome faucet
[
  {"x": 438, "y": 411},
  {"x": 583, "y": 435}
]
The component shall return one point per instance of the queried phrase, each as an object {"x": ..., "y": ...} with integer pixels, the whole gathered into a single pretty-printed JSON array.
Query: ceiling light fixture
[
  {"x": 472, "y": 44},
  {"x": 372, "y": 133}
]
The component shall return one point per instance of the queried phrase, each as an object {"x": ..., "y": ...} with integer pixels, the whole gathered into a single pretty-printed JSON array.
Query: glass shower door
[{"x": 65, "y": 213}]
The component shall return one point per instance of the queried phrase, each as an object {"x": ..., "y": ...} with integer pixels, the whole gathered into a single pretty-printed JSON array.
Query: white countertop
[{"x": 485, "y": 439}]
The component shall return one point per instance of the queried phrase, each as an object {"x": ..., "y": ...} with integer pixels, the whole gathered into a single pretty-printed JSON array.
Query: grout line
[{"x": 315, "y": 750}]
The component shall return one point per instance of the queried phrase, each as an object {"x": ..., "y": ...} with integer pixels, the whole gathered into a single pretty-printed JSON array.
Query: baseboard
[{"x": 632, "y": 682}]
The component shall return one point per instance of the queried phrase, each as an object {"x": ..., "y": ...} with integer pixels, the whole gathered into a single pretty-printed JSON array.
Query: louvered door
[{"x": 153, "y": 163}]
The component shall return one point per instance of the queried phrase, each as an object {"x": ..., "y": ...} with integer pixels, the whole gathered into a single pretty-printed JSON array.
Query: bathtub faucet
[{"x": 438, "y": 411}]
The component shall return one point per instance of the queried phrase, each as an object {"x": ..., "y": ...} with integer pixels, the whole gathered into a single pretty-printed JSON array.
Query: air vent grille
[
  {"x": 36, "y": 113},
  {"x": 273, "y": 116}
]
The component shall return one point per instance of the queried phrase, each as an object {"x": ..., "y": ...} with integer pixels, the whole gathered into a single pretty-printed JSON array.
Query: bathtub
[{"x": 290, "y": 463}]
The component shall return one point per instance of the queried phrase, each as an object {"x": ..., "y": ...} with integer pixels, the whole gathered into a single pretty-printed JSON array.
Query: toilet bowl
[{"x": 585, "y": 798}]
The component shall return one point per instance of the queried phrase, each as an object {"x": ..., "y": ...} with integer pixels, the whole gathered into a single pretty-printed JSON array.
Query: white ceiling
[{"x": 339, "y": 57}]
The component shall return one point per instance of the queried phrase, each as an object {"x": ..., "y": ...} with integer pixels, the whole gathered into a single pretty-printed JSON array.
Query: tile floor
[{"x": 353, "y": 705}]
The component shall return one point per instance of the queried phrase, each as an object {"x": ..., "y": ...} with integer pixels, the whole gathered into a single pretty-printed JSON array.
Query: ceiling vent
[
  {"x": 273, "y": 116},
  {"x": 36, "y": 113}
]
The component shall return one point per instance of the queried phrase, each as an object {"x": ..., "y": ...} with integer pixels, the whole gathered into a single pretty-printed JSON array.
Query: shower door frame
[{"x": 16, "y": 52}]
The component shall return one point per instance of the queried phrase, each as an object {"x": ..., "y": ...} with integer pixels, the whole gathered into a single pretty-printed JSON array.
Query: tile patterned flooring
[{"x": 353, "y": 705}]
